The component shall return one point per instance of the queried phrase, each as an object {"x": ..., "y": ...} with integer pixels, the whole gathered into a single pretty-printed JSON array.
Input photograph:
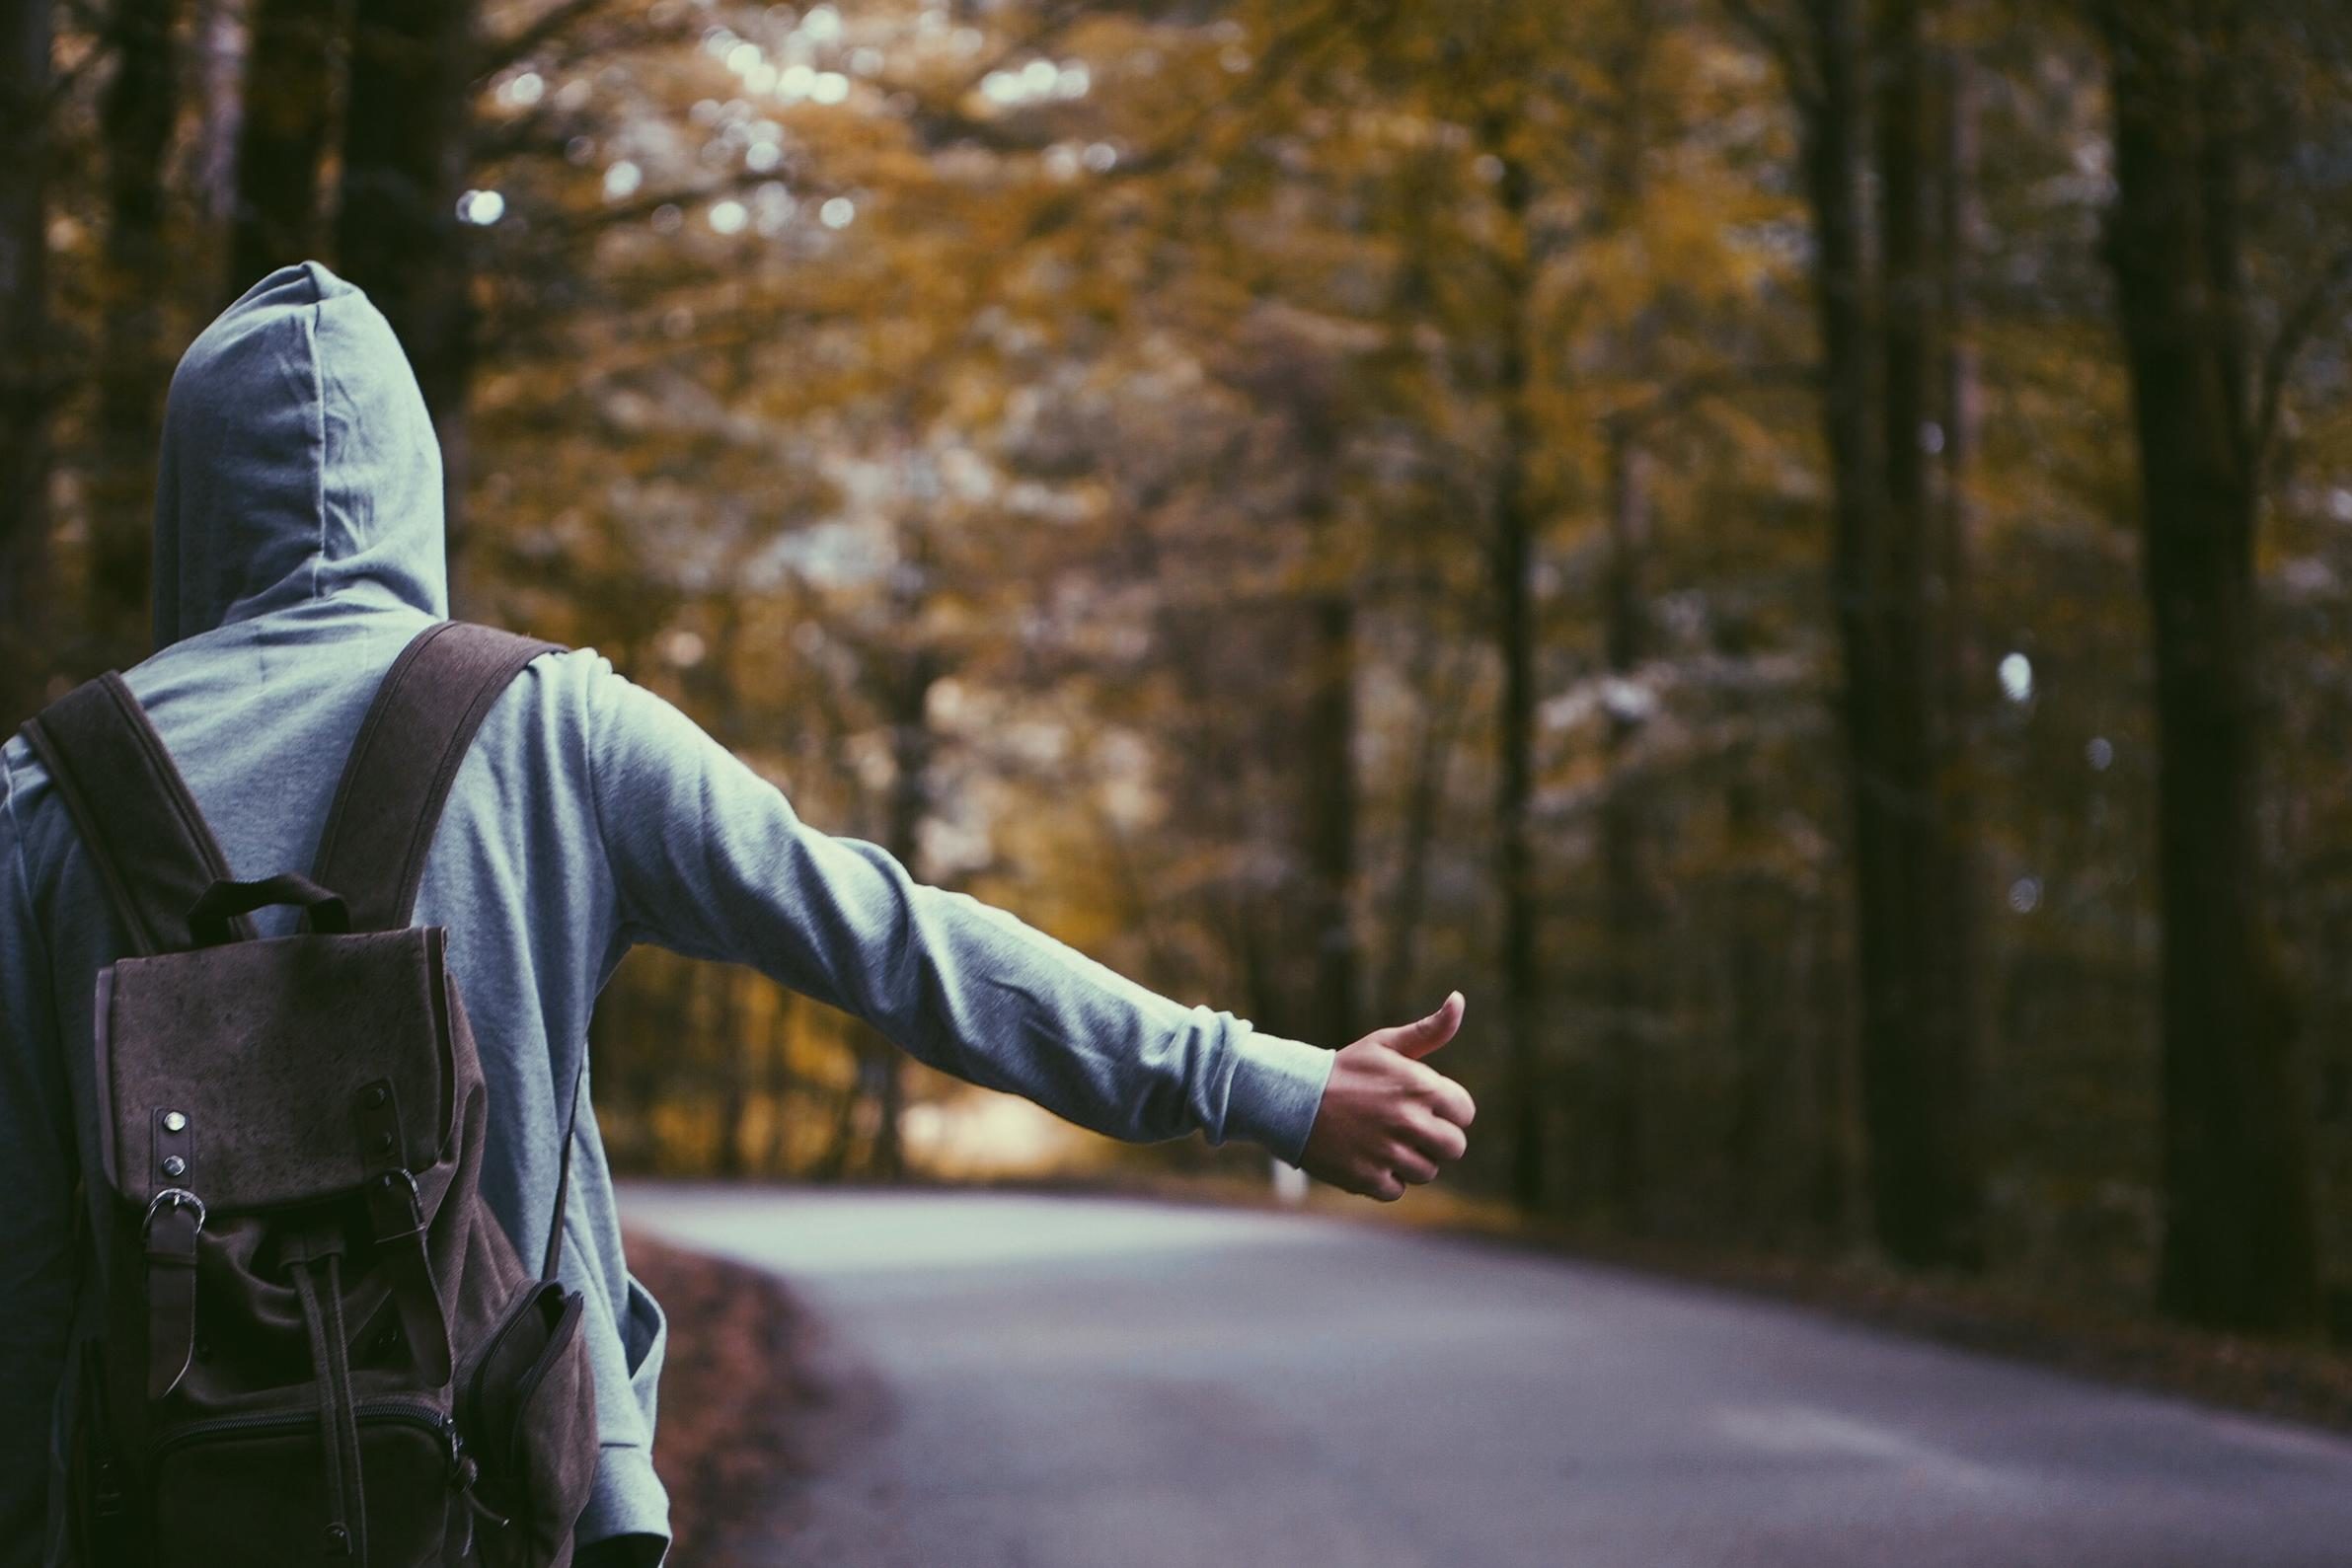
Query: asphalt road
[{"x": 1082, "y": 1383}]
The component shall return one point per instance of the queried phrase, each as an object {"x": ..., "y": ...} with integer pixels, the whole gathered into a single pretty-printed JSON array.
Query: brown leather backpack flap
[{"x": 260, "y": 1073}]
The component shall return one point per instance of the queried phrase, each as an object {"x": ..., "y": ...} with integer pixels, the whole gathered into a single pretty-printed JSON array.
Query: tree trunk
[
  {"x": 1833, "y": 168},
  {"x": 284, "y": 132},
  {"x": 220, "y": 117},
  {"x": 1961, "y": 224},
  {"x": 24, "y": 397},
  {"x": 1330, "y": 815},
  {"x": 1513, "y": 545},
  {"x": 911, "y": 747},
  {"x": 1441, "y": 726},
  {"x": 736, "y": 1071},
  {"x": 1938, "y": 1215},
  {"x": 1630, "y": 1028},
  {"x": 1956, "y": 672},
  {"x": 2239, "y": 1250},
  {"x": 1916, "y": 1077},
  {"x": 1830, "y": 1184},
  {"x": 406, "y": 139},
  {"x": 135, "y": 123},
  {"x": 779, "y": 1083},
  {"x": 1757, "y": 952}
]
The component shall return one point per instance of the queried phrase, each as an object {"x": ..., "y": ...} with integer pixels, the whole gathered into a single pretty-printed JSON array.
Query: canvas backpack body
[{"x": 319, "y": 1344}]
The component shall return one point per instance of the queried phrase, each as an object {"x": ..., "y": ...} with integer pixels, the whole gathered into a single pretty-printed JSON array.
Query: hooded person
[{"x": 298, "y": 548}]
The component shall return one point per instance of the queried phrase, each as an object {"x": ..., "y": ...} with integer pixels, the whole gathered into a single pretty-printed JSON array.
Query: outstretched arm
[{"x": 710, "y": 859}]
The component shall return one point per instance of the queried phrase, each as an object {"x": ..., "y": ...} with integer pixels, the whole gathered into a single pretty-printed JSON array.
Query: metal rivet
[
  {"x": 174, "y": 1122},
  {"x": 338, "y": 1541},
  {"x": 173, "y": 1165},
  {"x": 383, "y": 1141},
  {"x": 373, "y": 1097}
]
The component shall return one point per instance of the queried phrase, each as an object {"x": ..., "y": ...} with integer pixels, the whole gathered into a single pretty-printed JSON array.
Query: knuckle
[
  {"x": 1410, "y": 1165},
  {"x": 1437, "y": 1137}
]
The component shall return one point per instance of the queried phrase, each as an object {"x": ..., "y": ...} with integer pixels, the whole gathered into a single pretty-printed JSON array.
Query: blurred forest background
[{"x": 1798, "y": 551}]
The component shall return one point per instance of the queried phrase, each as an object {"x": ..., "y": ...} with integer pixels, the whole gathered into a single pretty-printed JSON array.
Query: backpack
[{"x": 317, "y": 1343}]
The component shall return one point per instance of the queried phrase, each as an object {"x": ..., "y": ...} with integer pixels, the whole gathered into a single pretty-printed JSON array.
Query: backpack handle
[{"x": 208, "y": 917}]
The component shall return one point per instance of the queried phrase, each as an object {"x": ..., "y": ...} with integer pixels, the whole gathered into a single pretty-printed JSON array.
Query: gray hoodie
[{"x": 298, "y": 546}]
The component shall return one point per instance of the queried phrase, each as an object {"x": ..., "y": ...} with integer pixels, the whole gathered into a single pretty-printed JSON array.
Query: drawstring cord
[{"x": 339, "y": 1423}]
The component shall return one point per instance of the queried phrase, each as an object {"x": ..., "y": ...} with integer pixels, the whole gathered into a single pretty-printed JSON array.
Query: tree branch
[
  {"x": 500, "y": 54},
  {"x": 1778, "y": 41},
  {"x": 2294, "y": 334},
  {"x": 1285, "y": 53},
  {"x": 1682, "y": 396}
]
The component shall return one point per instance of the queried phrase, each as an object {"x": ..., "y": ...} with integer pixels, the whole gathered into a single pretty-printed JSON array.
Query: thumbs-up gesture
[{"x": 1389, "y": 1120}]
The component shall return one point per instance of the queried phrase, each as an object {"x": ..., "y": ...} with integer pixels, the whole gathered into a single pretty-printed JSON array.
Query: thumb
[{"x": 1424, "y": 1035}]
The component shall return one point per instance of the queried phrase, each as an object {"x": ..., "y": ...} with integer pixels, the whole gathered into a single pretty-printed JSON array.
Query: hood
[{"x": 298, "y": 464}]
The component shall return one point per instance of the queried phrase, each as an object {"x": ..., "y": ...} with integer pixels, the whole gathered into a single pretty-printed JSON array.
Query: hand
[{"x": 1387, "y": 1119}]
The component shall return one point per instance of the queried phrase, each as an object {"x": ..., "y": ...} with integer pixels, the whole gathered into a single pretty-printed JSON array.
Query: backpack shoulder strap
[
  {"x": 141, "y": 828},
  {"x": 397, "y": 777}
]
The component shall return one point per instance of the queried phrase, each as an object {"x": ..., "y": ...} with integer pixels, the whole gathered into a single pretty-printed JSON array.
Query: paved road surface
[{"x": 1083, "y": 1384}]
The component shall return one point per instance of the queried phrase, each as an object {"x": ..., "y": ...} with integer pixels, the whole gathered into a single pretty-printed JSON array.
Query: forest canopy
[{"x": 1797, "y": 551}]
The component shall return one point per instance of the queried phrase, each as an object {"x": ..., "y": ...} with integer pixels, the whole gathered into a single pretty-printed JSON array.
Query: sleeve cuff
[
  {"x": 1276, "y": 1088},
  {"x": 627, "y": 1500}
]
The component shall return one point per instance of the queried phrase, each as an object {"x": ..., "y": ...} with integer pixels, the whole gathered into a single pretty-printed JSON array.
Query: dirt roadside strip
[{"x": 751, "y": 1397}]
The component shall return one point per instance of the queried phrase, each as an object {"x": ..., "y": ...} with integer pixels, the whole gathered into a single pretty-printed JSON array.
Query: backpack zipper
[
  {"x": 558, "y": 1339},
  {"x": 367, "y": 1412}
]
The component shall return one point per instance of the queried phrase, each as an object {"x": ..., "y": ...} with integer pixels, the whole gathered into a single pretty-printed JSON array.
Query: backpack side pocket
[{"x": 528, "y": 1415}]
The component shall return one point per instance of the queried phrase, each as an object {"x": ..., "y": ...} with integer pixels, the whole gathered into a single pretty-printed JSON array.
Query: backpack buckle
[
  {"x": 177, "y": 1198},
  {"x": 394, "y": 1219},
  {"x": 396, "y": 1209},
  {"x": 170, "y": 1252},
  {"x": 404, "y": 1173}
]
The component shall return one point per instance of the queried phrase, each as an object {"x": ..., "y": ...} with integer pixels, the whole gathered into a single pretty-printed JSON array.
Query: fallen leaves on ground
[{"x": 737, "y": 1389}]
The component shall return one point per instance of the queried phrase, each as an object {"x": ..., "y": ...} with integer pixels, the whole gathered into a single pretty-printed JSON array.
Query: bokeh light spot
[{"x": 2017, "y": 677}]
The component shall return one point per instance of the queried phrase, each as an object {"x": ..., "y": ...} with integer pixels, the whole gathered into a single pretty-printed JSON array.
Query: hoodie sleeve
[
  {"x": 710, "y": 859},
  {"x": 37, "y": 1171}
]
